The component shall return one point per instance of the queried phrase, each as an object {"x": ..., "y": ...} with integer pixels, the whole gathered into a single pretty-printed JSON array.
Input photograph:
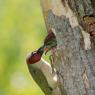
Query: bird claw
[
  {"x": 46, "y": 52},
  {"x": 46, "y": 49}
]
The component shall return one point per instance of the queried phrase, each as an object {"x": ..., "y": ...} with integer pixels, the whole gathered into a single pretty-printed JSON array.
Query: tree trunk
[{"x": 74, "y": 64}]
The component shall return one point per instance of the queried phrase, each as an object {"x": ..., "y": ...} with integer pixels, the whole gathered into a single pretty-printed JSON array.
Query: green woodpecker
[
  {"x": 41, "y": 72},
  {"x": 50, "y": 41}
]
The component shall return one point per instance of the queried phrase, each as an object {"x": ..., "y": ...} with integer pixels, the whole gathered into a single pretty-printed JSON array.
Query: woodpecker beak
[{"x": 46, "y": 50}]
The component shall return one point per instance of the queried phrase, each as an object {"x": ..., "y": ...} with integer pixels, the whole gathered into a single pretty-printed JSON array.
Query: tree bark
[{"x": 75, "y": 66}]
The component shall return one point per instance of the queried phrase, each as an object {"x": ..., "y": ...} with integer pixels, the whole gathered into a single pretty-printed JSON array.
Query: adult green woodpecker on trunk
[{"x": 41, "y": 72}]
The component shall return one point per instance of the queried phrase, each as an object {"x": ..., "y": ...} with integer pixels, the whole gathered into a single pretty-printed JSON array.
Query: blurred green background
[{"x": 22, "y": 30}]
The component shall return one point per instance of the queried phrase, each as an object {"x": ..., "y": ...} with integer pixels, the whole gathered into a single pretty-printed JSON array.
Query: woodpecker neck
[{"x": 40, "y": 50}]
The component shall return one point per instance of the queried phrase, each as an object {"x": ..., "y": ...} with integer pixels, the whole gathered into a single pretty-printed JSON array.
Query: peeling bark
[{"x": 75, "y": 66}]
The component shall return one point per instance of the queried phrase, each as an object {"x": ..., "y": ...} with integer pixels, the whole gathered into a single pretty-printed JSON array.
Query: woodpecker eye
[{"x": 33, "y": 52}]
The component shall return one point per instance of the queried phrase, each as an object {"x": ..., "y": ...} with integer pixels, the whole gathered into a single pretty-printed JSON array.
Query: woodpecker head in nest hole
[{"x": 50, "y": 41}]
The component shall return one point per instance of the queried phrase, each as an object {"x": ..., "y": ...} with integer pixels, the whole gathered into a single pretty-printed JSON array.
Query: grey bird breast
[{"x": 40, "y": 79}]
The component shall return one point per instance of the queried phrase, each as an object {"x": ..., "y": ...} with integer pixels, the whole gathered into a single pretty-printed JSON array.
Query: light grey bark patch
[
  {"x": 93, "y": 5},
  {"x": 82, "y": 7},
  {"x": 87, "y": 7}
]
